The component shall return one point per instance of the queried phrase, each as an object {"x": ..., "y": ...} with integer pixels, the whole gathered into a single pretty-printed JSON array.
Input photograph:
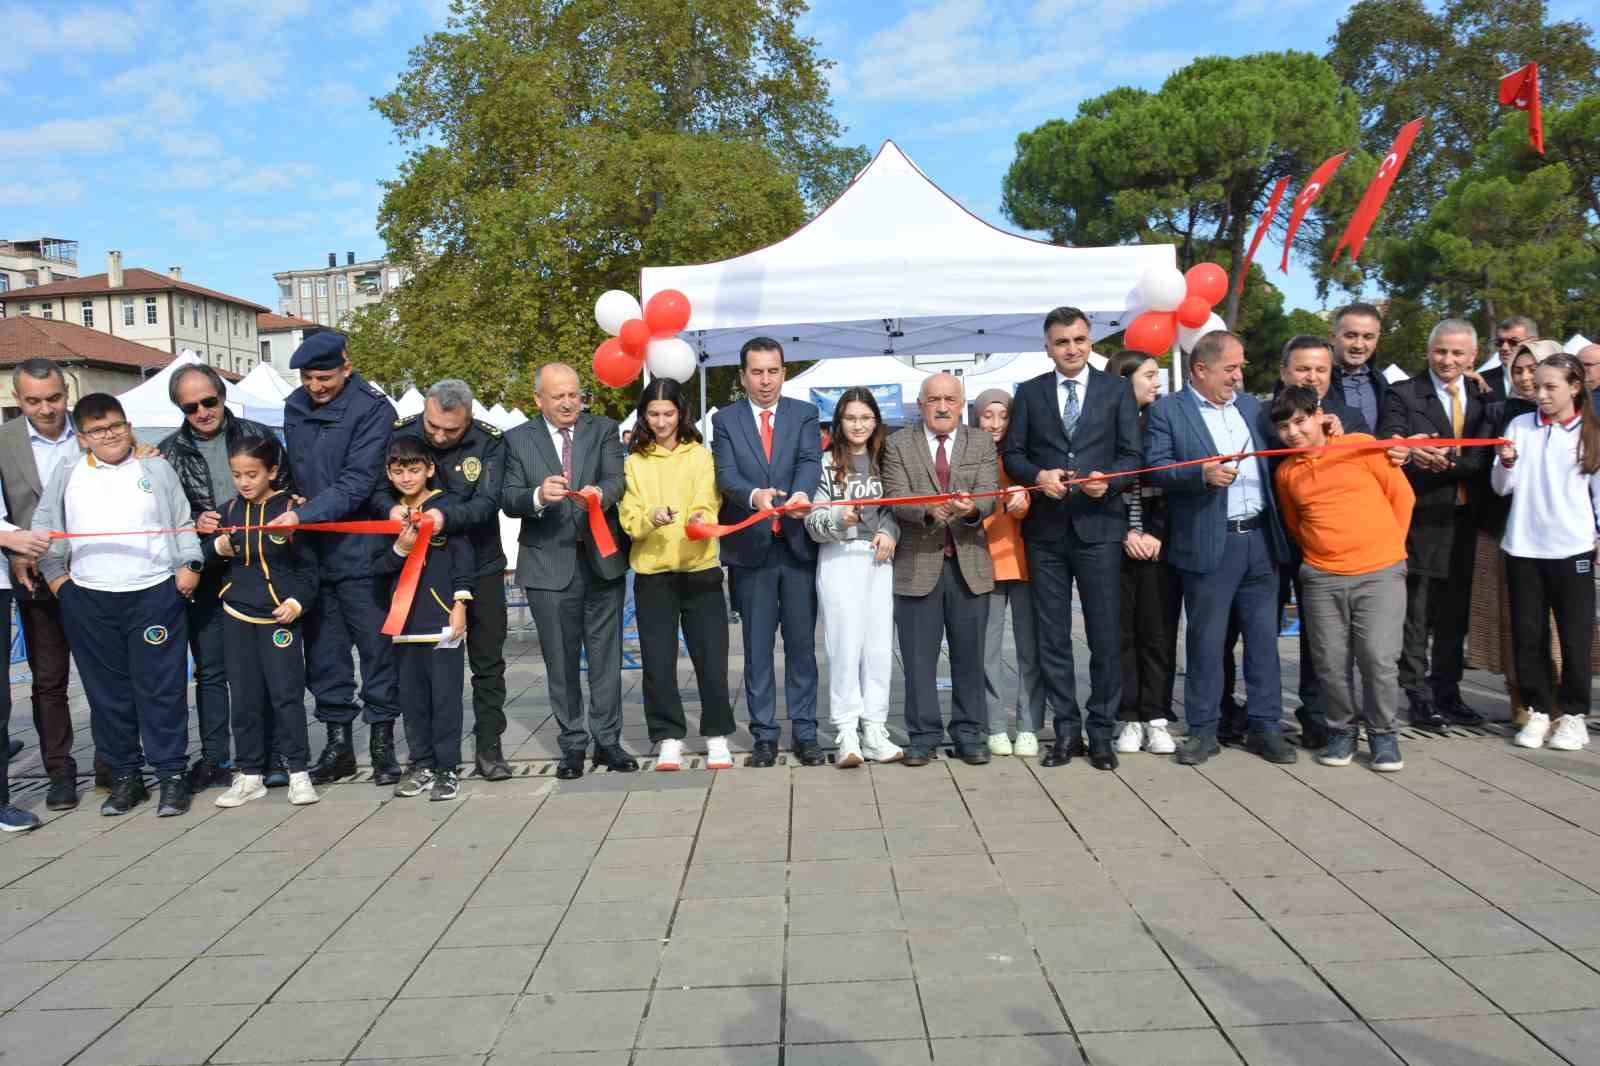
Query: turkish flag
[
  {"x": 1520, "y": 89},
  {"x": 1302, "y": 203},
  {"x": 1261, "y": 227},
  {"x": 1355, "y": 232}
]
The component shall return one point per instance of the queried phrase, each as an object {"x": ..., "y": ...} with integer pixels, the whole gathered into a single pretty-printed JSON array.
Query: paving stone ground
[{"x": 1238, "y": 912}]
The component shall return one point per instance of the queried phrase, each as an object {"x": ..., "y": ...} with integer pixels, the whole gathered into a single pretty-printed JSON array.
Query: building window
[
  {"x": 127, "y": 310},
  {"x": 25, "y": 310},
  {"x": 150, "y": 311},
  {"x": 341, "y": 284},
  {"x": 322, "y": 288},
  {"x": 5, "y": 283},
  {"x": 305, "y": 288},
  {"x": 88, "y": 313},
  {"x": 266, "y": 351},
  {"x": 216, "y": 318},
  {"x": 286, "y": 290},
  {"x": 49, "y": 309},
  {"x": 394, "y": 278}
]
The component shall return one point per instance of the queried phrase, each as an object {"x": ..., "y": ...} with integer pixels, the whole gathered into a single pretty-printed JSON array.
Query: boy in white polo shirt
[{"x": 122, "y": 600}]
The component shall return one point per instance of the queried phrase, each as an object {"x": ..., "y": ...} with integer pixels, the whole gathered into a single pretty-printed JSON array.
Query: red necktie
[
  {"x": 941, "y": 470},
  {"x": 766, "y": 446}
]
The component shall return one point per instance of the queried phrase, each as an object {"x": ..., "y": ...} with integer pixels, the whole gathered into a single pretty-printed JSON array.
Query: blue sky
[{"x": 235, "y": 137}]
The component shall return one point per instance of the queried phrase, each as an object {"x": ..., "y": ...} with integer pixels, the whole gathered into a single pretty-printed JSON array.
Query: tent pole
[{"x": 704, "y": 425}]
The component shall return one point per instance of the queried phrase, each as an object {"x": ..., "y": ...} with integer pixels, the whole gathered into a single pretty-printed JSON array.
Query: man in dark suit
[
  {"x": 768, "y": 451},
  {"x": 943, "y": 572},
  {"x": 1070, "y": 422},
  {"x": 30, "y": 448},
  {"x": 1356, "y": 380},
  {"x": 574, "y": 593},
  {"x": 1508, "y": 333},
  {"x": 1226, "y": 543},
  {"x": 1441, "y": 542}
]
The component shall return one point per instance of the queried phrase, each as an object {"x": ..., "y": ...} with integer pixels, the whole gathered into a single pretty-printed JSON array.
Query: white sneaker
[
  {"x": 245, "y": 787},
  {"x": 1534, "y": 733},
  {"x": 718, "y": 757},
  {"x": 1157, "y": 741},
  {"x": 1130, "y": 737},
  {"x": 671, "y": 755},
  {"x": 1027, "y": 745},
  {"x": 876, "y": 744},
  {"x": 999, "y": 744},
  {"x": 1572, "y": 733},
  {"x": 849, "y": 748},
  {"x": 301, "y": 791}
]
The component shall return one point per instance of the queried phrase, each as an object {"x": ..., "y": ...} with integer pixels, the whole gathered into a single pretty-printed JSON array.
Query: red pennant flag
[
  {"x": 1302, "y": 202},
  {"x": 1261, "y": 227},
  {"x": 1355, "y": 232},
  {"x": 1520, "y": 89}
]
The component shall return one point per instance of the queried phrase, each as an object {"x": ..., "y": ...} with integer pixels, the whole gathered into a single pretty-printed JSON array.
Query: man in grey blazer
[
  {"x": 574, "y": 594},
  {"x": 942, "y": 570}
]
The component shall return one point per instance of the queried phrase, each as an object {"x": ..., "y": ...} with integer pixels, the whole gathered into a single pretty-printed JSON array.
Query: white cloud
[
  {"x": 372, "y": 18},
  {"x": 227, "y": 72},
  {"x": 40, "y": 194},
  {"x": 268, "y": 178},
  {"x": 32, "y": 34},
  {"x": 265, "y": 13},
  {"x": 188, "y": 222},
  {"x": 339, "y": 94},
  {"x": 66, "y": 136},
  {"x": 189, "y": 144}
]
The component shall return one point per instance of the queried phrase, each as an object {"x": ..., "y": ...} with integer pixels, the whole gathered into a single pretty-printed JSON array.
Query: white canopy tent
[
  {"x": 894, "y": 266},
  {"x": 411, "y": 403},
  {"x": 149, "y": 406}
]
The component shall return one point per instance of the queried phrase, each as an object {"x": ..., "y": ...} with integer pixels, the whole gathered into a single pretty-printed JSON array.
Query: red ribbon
[
  {"x": 405, "y": 590},
  {"x": 708, "y": 530},
  {"x": 603, "y": 541}
]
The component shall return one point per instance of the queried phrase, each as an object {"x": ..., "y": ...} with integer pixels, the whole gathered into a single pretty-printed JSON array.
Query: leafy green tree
[
  {"x": 557, "y": 146},
  {"x": 1191, "y": 164}
]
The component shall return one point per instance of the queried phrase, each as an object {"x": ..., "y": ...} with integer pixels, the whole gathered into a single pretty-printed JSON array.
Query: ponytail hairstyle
[
  {"x": 1589, "y": 432},
  {"x": 267, "y": 451}
]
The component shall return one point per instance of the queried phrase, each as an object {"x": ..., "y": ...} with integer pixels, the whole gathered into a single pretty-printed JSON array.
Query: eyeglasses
[
  {"x": 1506, "y": 342},
  {"x": 208, "y": 403},
  {"x": 858, "y": 420},
  {"x": 115, "y": 429}
]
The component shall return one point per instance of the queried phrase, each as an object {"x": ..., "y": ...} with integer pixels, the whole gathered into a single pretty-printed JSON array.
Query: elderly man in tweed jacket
[{"x": 942, "y": 570}]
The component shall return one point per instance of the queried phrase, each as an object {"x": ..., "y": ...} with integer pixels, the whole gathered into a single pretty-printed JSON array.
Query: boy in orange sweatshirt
[{"x": 1349, "y": 511}]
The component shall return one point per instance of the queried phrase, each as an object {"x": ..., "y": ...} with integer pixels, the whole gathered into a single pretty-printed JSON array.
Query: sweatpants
[
  {"x": 1014, "y": 598},
  {"x": 131, "y": 649},
  {"x": 855, "y": 598},
  {"x": 1565, "y": 587},
  {"x": 693, "y": 601},
  {"x": 1358, "y": 619},
  {"x": 267, "y": 680},
  {"x": 430, "y": 703}
]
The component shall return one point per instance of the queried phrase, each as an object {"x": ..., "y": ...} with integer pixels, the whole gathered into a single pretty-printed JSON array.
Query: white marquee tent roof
[
  {"x": 895, "y": 266},
  {"x": 866, "y": 371},
  {"x": 148, "y": 406}
]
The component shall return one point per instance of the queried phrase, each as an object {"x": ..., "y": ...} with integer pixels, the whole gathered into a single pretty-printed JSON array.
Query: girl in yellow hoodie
[{"x": 677, "y": 581}]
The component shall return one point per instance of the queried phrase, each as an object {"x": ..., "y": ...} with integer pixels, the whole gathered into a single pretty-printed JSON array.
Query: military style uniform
[{"x": 471, "y": 472}]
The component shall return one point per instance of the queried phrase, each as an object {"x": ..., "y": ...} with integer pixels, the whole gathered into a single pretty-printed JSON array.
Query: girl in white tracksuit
[{"x": 855, "y": 581}]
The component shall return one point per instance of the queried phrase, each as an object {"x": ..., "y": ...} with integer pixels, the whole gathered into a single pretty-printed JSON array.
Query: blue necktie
[{"x": 1069, "y": 413}]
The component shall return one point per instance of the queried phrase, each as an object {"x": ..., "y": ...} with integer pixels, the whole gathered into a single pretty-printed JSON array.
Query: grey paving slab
[
  {"x": 990, "y": 1006},
  {"x": 299, "y": 1032},
  {"x": 1114, "y": 945},
  {"x": 1570, "y": 925},
  {"x": 1469, "y": 931},
  {"x": 508, "y": 926},
  {"x": 227, "y": 981},
  {"x": 749, "y": 1055},
  {"x": 1486, "y": 1040},
  {"x": 1193, "y": 1047},
  {"x": 1229, "y": 942},
  {"x": 51, "y": 1038},
  {"x": 748, "y": 916},
  {"x": 1543, "y": 981},
  {"x": 704, "y": 961},
  {"x": 342, "y": 975},
  {"x": 575, "y": 1021},
  {"x": 1346, "y": 938},
  {"x": 1132, "y": 1001},
  {"x": 469, "y": 972},
  {"x": 991, "y": 951},
  {"x": 104, "y": 983},
  {"x": 1574, "y": 1035},
  {"x": 845, "y": 913},
  {"x": 631, "y": 920},
  {"x": 1319, "y": 1044},
  {"x": 1404, "y": 988},
  {"x": 729, "y": 880},
  {"x": 1271, "y": 994},
  {"x": 165, "y": 1036},
  {"x": 873, "y": 1053},
  {"x": 831, "y": 957},
  {"x": 596, "y": 966},
  {"x": 711, "y": 1017},
  {"x": 415, "y": 1027},
  {"x": 863, "y": 1010},
  {"x": 1039, "y": 1049}
]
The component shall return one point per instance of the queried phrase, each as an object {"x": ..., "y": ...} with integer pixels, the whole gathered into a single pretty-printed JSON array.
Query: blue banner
[{"x": 890, "y": 405}]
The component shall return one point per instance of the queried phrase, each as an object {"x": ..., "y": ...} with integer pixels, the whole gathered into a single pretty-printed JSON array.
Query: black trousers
[
  {"x": 951, "y": 612},
  {"x": 1540, "y": 587},
  {"x": 486, "y": 655},
  {"x": 1312, "y": 705},
  {"x": 693, "y": 600},
  {"x": 206, "y": 644},
  {"x": 1053, "y": 566},
  {"x": 1152, "y": 597},
  {"x": 267, "y": 679},
  {"x": 431, "y": 704},
  {"x": 1439, "y": 607}
]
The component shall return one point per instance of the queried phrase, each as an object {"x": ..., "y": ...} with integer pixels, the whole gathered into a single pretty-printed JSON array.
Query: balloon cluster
[
  {"x": 1177, "y": 306},
  {"x": 643, "y": 338}
]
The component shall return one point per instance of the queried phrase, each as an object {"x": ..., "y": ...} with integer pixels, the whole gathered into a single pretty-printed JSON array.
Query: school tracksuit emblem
[
  {"x": 282, "y": 638},
  {"x": 155, "y": 635}
]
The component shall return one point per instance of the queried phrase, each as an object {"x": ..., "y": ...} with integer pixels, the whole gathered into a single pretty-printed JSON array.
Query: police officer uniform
[
  {"x": 337, "y": 452},
  {"x": 470, "y": 472}
]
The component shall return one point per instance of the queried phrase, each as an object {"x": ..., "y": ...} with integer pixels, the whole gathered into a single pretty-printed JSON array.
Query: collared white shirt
[
  {"x": 933, "y": 443},
  {"x": 102, "y": 498},
  {"x": 755, "y": 413},
  {"x": 1441, "y": 390},
  {"x": 1553, "y": 502},
  {"x": 1231, "y": 434},
  {"x": 47, "y": 453},
  {"x": 1081, "y": 380},
  {"x": 555, "y": 442}
]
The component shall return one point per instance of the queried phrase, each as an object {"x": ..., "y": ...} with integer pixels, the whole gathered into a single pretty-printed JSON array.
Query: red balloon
[
  {"x": 613, "y": 366},
  {"x": 1209, "y": 282},
  {"x": 1193, "y": 312},
  {"x": 1152, "y": 332},
  {"x": 635, "y": 336},
  {"x": 667, "y": 313}
]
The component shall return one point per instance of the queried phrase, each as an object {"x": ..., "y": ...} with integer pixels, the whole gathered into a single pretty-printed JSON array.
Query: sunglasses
[{"x": 208, "y": 403}]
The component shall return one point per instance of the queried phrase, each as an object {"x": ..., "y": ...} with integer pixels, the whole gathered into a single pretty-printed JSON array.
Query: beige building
[
  {"x": 327, "y": 295},
  {"x": 142, "y": 306},
  {"x": 280, "y": 335},
  {"x": 91, "y": 361},
  {"x": 38, "y": 261}
]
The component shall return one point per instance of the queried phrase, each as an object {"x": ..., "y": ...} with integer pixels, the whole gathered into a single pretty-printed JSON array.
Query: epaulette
[
  {"x": 488, "y": 427},
  {"x": 377, "y": 392},
  {"x": 406, "y": 421}
]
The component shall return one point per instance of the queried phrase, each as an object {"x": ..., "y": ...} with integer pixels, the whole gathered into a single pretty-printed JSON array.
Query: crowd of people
[{"x": 1152, "y": 504}]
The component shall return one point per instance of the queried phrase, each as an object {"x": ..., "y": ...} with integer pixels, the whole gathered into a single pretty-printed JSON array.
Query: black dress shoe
[
  {"x": 175, "y": 796},
  {"x": 1196, "y": 748},
  {"x": 490, "y": 763},
  {"x": 1427, "y": 716},
  {"x": 973, "y": 754},
  {"x": 764, "y": 753},
  {"x": 1101, "y": 755},
  {"x": 1461, "y": 714},
  {"x": 127, "y": 792},
  {"x": 616, "y": 758},
  {"x": 13, "y": 749},
  {"x": 338, "y": 758},
  {"x": 1272, "y": 746},
  {"x": 917, "y": 756},
  {"x": 63, "y": 794},
  {"x": 809, "y": 752},
  {"x": 570, "y": 768},
  {"x": 207, "y": 773},
  {"x": 380, "y": 746},
  {"x": 1062, "y": 751}
]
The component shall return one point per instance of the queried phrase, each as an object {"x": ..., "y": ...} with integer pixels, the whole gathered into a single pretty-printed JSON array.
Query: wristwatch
[{"x": 194, "y": 567}]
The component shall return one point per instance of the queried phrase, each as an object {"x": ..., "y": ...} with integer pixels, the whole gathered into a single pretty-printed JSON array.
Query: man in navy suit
[
  {"x": 1071, "y": 422},
  {"x": 1356, "y": 380},
  {"x": 768, "y": 451},
  {"x": 1226, "y": 543}
]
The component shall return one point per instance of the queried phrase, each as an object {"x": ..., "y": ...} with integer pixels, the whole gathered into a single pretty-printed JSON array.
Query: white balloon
[
  {"x": 614, "y": 308},
  {"x": 1162, "y": 288},
  {"x": 1188, "y": 336},
  {"x": 671, "y": 357}
]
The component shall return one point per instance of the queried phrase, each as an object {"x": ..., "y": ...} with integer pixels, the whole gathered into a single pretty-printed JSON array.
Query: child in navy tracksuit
[
  {"x": 430, "y": 677},
  {"x": 272, "y": 581}
]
